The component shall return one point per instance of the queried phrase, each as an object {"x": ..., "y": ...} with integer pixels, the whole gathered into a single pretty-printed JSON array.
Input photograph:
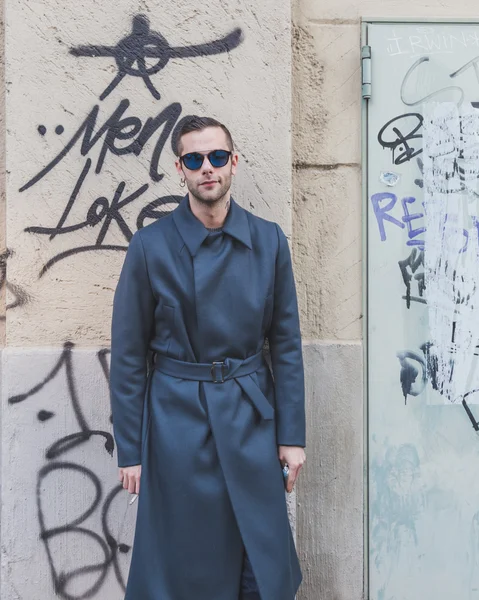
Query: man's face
[{"x": 208, "y": 184}]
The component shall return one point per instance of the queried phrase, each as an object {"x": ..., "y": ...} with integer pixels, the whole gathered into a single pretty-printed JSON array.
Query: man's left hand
[{"x": 294, "y": 457}]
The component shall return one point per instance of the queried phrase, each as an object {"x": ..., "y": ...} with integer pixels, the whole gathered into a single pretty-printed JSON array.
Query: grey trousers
[{"x": 249, "y": 589}]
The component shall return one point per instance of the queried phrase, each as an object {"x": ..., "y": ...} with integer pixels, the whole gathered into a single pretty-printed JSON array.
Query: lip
[{"x": 208, "y": 182}]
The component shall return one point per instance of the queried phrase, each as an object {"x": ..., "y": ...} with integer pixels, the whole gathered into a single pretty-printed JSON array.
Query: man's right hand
[{"x": 130, "y": 477}]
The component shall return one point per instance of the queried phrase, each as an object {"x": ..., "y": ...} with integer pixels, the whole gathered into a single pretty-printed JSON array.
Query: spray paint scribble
[
  {"x": 451, "y": 172},
  {"x": 132, "y": 52}
]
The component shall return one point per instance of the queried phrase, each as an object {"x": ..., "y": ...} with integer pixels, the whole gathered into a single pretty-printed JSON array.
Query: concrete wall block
[
  {"x": 327, "y": 252},
  {"x": 67, "y": 525},
  {"x": 345, "y": 10},
  {"x": 326, "y": 94},
  {"x": 3, "y": 250},
  {"x": 330, "y": 489}
]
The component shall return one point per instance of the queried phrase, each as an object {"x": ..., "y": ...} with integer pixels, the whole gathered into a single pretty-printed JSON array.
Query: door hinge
[{"x": 366, "y": 71}]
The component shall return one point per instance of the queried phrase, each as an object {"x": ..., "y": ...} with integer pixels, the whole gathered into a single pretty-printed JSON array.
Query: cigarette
[{"x": 135, "y": 497}]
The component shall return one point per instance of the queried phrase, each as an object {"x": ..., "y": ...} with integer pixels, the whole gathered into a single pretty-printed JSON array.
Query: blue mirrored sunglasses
[{"x": 194, "y": 160}]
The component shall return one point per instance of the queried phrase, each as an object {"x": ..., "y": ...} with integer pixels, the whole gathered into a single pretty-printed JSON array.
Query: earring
[{"x": 182, "y": 183}]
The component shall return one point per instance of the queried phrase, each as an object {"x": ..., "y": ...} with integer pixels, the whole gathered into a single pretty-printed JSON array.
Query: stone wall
[
  {"x": 327, "y": 245},
  {"x": 89, "y": 160}
]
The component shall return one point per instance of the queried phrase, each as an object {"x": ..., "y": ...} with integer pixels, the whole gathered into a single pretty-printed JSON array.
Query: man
[{"x": 205, "y": 429}]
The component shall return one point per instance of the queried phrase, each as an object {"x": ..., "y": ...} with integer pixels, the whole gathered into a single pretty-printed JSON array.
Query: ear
[
  {"x": 234, "y": 163},
  {"x": 179, "y": 167}
]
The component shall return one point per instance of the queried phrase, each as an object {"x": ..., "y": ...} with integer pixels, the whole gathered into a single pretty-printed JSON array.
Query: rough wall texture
[
  {"x": 3, "y": 251},
  {"x": 67, "y": 524},
  {"x": 89, "y": 159},
  {"x": 330, "y": 492},
  {"x": 89, "y": 140},
  {"x": 327, "y": 246},
  {"x": 327, "y": 256}
]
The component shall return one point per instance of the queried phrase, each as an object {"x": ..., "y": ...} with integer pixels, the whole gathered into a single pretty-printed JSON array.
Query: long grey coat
[{"x": 206, "y": 436}]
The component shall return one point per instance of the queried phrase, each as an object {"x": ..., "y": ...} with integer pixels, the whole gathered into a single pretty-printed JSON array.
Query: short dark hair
[{"x": 196, "y": 123}]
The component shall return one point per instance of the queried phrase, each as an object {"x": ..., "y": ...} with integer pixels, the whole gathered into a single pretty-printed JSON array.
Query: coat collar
[{"x": 194, "y": 232}]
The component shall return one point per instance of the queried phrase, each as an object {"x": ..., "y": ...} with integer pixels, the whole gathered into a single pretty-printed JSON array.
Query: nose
[{"x": 207, "y": 167}]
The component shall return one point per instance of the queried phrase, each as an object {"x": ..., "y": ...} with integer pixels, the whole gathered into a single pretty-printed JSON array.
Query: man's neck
[{"x": 211, "y": 215}]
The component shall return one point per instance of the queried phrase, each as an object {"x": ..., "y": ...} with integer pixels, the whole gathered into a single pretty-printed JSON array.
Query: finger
[
  {"x": 131, "y": 485},
  {"x": 125, "y": 481},
  {"x": 137, "y": 486},
  {"x": 120, "y": 474},
  {"x": 293, "y": 473},
  {"x": 290, "y": 481}
]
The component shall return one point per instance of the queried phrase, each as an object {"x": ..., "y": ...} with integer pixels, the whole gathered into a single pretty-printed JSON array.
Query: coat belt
[{"x": 220, "y": 371}]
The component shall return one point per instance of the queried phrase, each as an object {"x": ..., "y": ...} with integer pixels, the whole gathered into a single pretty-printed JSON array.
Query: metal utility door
[{"x": 421, "y": 147}]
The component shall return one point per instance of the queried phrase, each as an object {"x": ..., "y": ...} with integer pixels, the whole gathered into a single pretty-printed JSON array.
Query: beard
[{"x": 210, "y": 198}]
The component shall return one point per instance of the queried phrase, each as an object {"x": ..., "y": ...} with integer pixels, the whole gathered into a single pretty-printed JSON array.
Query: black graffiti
[
  {"x": 21, "y": 297},
  {"x": 102, "y": 213},
  {"x": 455, "y": 179},
  {"x": 132, "y": 52},
  {"x": 425, "y": 367},
  {"x": 417, "y": 369},
  {"x": 100, "y": 210},
  {"x": 118, "y": 128},
  {"x": 413, "y": 374},
  {"x": 472, "y": 64},
  {"x": 122, "y": 134},
  {"x": 412, "y": 268},
  {"x": 59, "y": 129},
  {"x": 449, "y": 175},
  {"x": 106, "y": 541},
  {"x": 413, "y": 363},
  {"x": 146, "y": 212},
  {"x": 45, "y": 415},
  {"x": 420, "y": 180},
  {"x": 391, "y": 136},
  {"x": 474, "y": 422},
  {"x": 85, "y": 432},
  {"x": 453, "y": 168},
  {"x": 432, "y": 367}
]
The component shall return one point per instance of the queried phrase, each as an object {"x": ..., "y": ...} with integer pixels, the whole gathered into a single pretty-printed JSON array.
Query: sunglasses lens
[
  {"x": 193, "y": 160},
  {"x": 218, "y": 158}
]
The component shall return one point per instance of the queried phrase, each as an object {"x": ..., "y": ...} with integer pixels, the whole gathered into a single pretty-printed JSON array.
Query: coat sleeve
[
  {"x": 286, "y": 354},
  {"x": 131, "y": 330}
]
